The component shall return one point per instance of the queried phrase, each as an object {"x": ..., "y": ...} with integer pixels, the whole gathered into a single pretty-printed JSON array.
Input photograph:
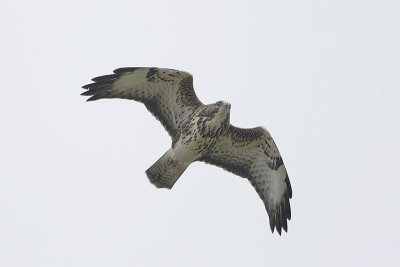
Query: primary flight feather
[{"x": 201, "y": 132}]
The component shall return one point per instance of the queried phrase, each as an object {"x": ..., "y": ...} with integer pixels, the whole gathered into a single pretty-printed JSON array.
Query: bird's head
[
  {"x": 216, "y": 116},
  {"x": 222, "y": 110},
  {"x": 221, "y": 115},
  {"x": 223, "y": 105}
]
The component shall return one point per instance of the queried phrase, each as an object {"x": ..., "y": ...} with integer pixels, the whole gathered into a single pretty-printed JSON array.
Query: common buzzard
[{"x": 201, "y": 133}]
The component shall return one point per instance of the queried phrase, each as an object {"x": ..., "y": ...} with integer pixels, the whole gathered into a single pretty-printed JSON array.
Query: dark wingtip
[
  {"x": 87, "y": 93},
  {"x": 278, "y": 229},
  {"x": 104, "y": 78},
  {"x": 278, "y": 221},
  {"x": 86, "y": 86},
  {"x": 93, "y": 98},
  {"x": 272, "y": 223},
  {"x": 286, "y": 206},
  {"x": 288, "y": 186},
  {"x": 288, "y": 211},
  {"x": 284, "y": 224},
  {"x": 126, "y": 69},
  {"x": 279, "y": 217}
]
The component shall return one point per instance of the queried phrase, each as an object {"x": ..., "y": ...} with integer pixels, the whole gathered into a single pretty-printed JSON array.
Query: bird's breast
[{"x": 196, "y": 138}]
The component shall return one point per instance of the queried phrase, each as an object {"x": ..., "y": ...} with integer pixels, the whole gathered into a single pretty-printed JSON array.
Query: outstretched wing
[
  {"x": 168, "y": 94},
  {"x": 252, "y": 154}
]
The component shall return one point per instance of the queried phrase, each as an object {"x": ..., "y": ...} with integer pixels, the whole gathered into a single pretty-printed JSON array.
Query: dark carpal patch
[
  {"x": 125, "y": 70},
  {"x": 152, "y": 74},
  {"x": 275, "y": 163}
]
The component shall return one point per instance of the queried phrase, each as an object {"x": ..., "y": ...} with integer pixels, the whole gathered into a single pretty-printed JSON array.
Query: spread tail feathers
[{"x": 165, "y": 172}]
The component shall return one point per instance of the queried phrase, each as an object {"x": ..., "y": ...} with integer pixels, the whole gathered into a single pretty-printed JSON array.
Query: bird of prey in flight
[{"x": 201, "y": 132}]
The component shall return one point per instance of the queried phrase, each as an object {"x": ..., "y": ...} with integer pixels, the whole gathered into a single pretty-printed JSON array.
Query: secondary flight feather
[{"x": 201, "y": 132}]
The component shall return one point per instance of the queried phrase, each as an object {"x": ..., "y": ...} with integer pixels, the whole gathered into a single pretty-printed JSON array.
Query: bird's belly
[
  {"x": 184, "y": 152},
  {"x": 193, "y": 150},
  {"x": 196, "y": 140}
]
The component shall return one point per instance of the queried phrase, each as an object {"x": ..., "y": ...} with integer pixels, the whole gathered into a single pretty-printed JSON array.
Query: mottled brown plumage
[{"x": 201, "y": 133}]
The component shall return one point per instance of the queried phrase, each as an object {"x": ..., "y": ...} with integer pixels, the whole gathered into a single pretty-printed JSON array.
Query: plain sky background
[{"x": 321, "y": 76}]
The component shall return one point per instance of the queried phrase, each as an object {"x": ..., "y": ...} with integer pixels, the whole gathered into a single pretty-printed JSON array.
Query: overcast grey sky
[{"x": 321, "y": 76}]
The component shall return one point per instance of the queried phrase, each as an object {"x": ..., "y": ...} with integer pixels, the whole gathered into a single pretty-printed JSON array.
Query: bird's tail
[{"x": 165, "y": 172}]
